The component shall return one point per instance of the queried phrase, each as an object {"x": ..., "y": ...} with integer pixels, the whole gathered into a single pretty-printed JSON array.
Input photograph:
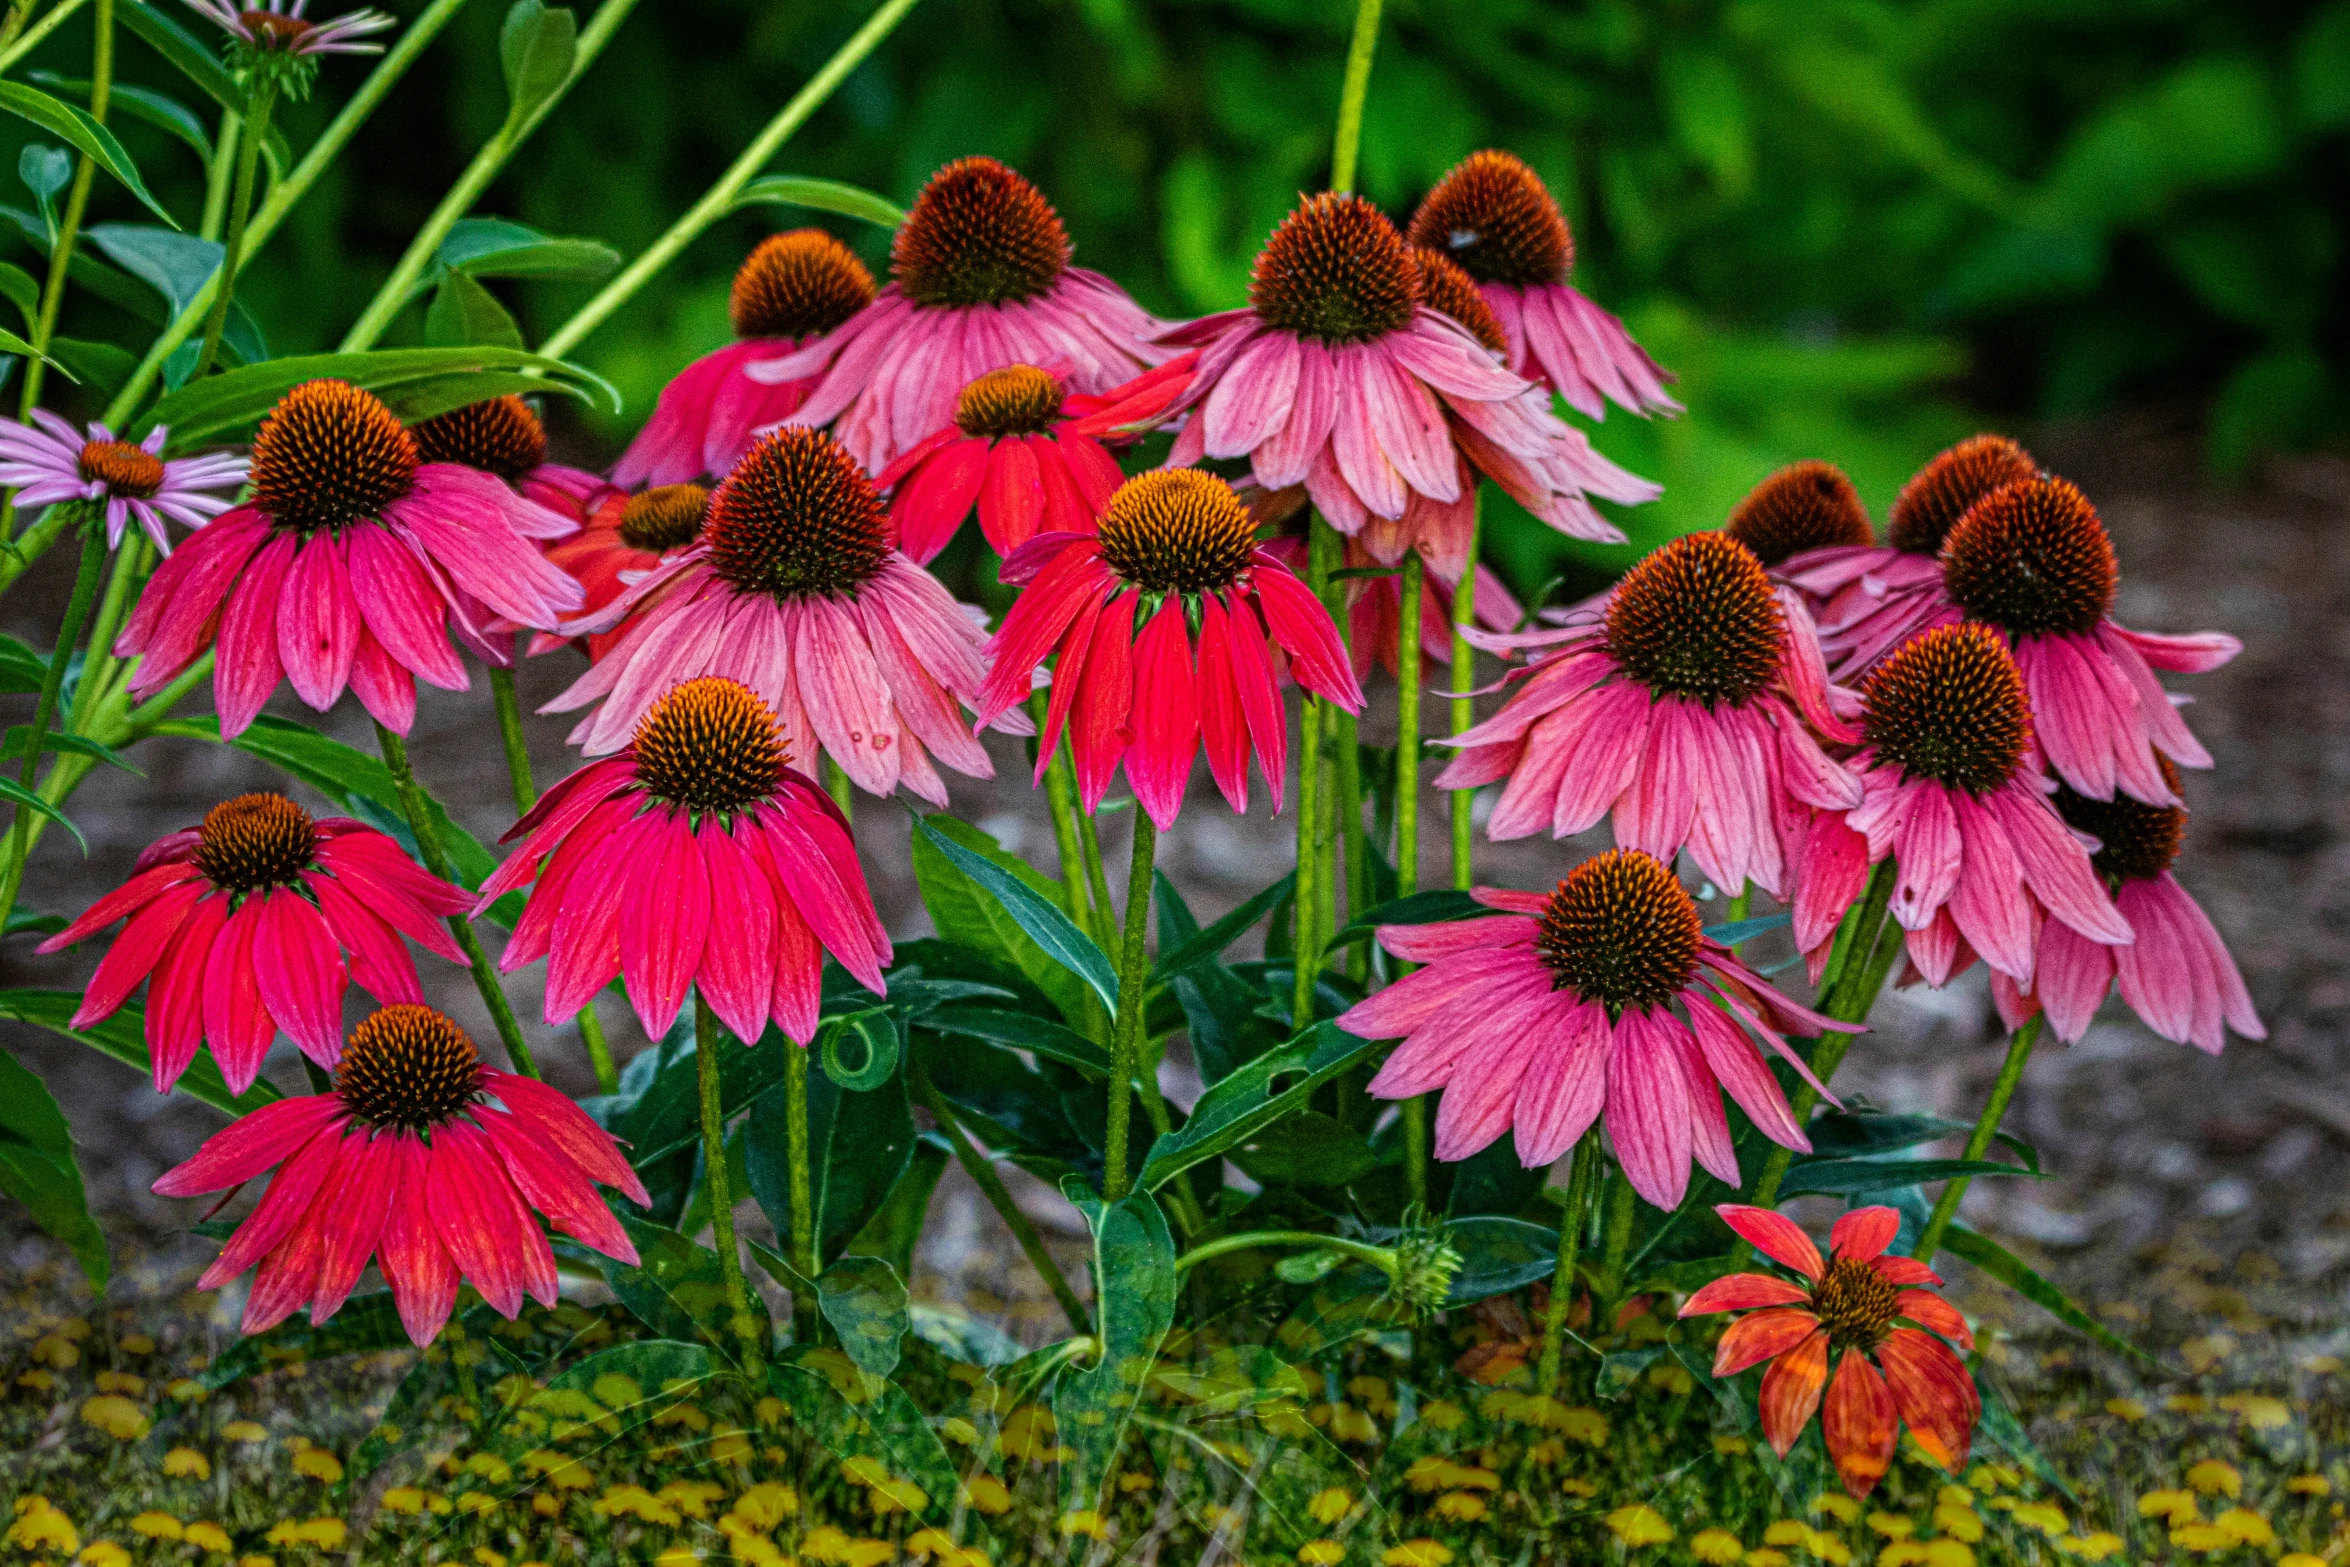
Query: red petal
[
  {"x": 554, "y": 1186},
  {"x": 418, "y": 1267},
  {"x": 1859, "y": 1424},
  {"x": 1098, "y": 733},
  {"x": 1774, "y": 1235},
  {"x": 127, "y": 899},
  {"x": 1791, "y": 1391},
  {"x": 250, "y": 1144},
  {"x": 1767, "y": 1334},
  {"x": 175, "y": 995},
  {"x": 365, "y": 1180},
  {"x": 1932, "y": 1311},
  {"x": 1166, "y": 722},
  {"x": 1935, "y": 1394},
  {"x": 1864, "y": 1233},
  {"x": 1904, "y": 1271},
  {"x": 738, "y": 958},
  {"x": 136, "y": 951},
  {"x": 1223, "y": 729},
  {"x": 1743, "y": 1292},
  {"x": 565, "y": 1127}
]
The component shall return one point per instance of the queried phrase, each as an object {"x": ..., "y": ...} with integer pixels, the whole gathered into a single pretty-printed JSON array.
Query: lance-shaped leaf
[
  {"x": 124, "y": 1037},
  {"x": 798, "y": 190},
  {"x": 37, "y": 1168},
  {"x": 858, "y": 1146},
  {"x": 87, "y": 136},
  {"x": 1253, "y": 1098},
  {"x": 1134, "y": 1287},
  {"x": 979, "y": 894}
]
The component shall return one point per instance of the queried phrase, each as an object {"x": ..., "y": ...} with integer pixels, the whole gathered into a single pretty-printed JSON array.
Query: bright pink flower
[
  {"x": 979, "y": 279},
  {"x": 347, "y": 567},
  {"x": 248, "y": 924},
  {"x": 406, "y": 1162},
  {"x": 793, "y": 590},
  {"x": 792, "y": 290},
  {"x": 1030, "y": 455},
  {"x": 1849, "y": 1306},
  {"x": 1494, "y": 217},
  {"x": 1684, "y": 703},
  {"x": 621, "y": 538},
  {"x": 1374, "y": 608},
  {"x": 1562, "y": 1010},
  {"x": 695, "y": 857},
  {"x": 1339, "y": 376},
  {"x": 50, "y": 463},
  {"x": 2177, "y": 975},
  {"x": 1175, "y": 544},
  {"x": 1950, "y": 792}
]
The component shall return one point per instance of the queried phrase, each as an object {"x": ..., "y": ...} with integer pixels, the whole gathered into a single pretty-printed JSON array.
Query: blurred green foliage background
[{"x": 1856, "y": 228}]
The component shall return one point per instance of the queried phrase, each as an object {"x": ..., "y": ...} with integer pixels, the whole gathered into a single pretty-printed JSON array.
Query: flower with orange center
[
  {"x": 697, "y": 856},
  {"x": 789, "y": 292},
  {"x": 1603, "y": 996},
  {"x": 1950, "y": 793},
  {"x": 793, "y": 589},
  {"x": 349, "y": 566},
  {"x": 1345, "y": 374},
  {"x": 979, "y": 279},
  {"x": 247, "y": 924},
  {"x": 1176, "y": 549},
  {"x": 1804, "y": 506},
  {"x": 1031, "y": 456},
  {"x": 1687, "y": 703},
  {"x": 503, "y": 436},
  {"x": 1494, "y": 217},
  {"x": 406, "y": 1162},
  {"x": 1851, "y": 1309},
  {"x": 621, "y": 537},
  {"x": 276, "y": 31},
  {"x": 50, "y": 463}
]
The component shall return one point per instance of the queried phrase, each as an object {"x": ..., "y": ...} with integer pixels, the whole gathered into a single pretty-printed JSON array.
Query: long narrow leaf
[
  {"x": 796, "y": 190},
  {"x": 1047, "y": 926},
  {"x": 87, "y": 136},
  {"x": 2018, "y": 1275},
  {"x": 221, "y": 404},
  {"x": 1852, "y": 1177},
  {"x": 26, "y": 800},
  {"x": 123, "y": 1036},
  {"x": 1212, "y": 941},
  {"x": 1247, "y": 1103}
]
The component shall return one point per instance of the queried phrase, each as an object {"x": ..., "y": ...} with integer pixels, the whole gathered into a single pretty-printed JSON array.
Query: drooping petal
[
  {"x": 236, "y": 1020},
  {"x": 250, "y": 1145},
  {"x": 1744, "y": 1292},
  {"x": 665, "y": 920},
  {"x": 422, "y": 1274},
  {"x": 1166, "y": 723},
  {"x": 737, "y": 972},
  {"x": 1791, "y": 1391},
  {"x": 300, "y": 969},
  {"x": 1859, "y": 1423},
  {"x": 1933, "y": 1392},
  {"x": 563, "y": 1126},
  {"x": 1774, "y": 1235}
]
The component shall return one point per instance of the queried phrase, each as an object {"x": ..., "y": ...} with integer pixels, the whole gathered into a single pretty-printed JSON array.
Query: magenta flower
[
  {"x": 1494, "y": 217},
  {"x": 788, "y": 293},
  {"x": 1684, "y": 703},
  {"x": 248, "y": 924},
  {"x": 347, "y": 567},
  {"x": 2177, "y": 976},
  {"x": 695, "y": 857},
  {"x": 979, "y": 279},
  {"x": 1949, "y": 791},
  {"x": 279, "y": 27},
  {"x": 407, "y": 1164},
  {"x": 1543, "y": 1019},
  {"x": 50, "y": 463},
  {"x": 1175, "y": 545},
  {"x": 1339, "y": 376},
  {"x": 792, "y": 589}
]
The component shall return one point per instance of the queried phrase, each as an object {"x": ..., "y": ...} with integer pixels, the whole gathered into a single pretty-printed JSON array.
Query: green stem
[
  {"x": 69, "y": 631},
  {"x": 219, "y": 175},
  {"x": 802, "y": 1240},
  {"x": 1380, "y": 1257},
  {"x": 260, "y": 103},
  {"x": 418, "y": 810},
  {"x": 1739, "y": 906},
  {"x": 719, "y": 198},
  {"x": 34, "y": 36},
  {"x": 843, "y": 792},
  {"x": 76, "y": 204},
  {"x": 1314, "y": 896},
  {"x": 100, "y": 666},
  {"x": 991, "y": 1185},
  {"x": 1097, "y": 877},
  {"x": 1350, "y": 98},
  {"x": 1616, "y": 1245},
  {"x": 1582, "y": 1176},
  {"x": 1978, "y": 1145},
  {"x": 1133, "y": 982},
  {"x": 708, "y": 1036},
  {"x": 1464, "y": 708},
  {"x": 509, "y": 706},
  {"x": 1407, "y": 824},
  {"x": 1060, "y": 789},
  {"x": 599, "y": 1050}
]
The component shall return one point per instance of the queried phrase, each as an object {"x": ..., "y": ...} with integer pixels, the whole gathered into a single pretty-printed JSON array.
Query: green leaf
[
  {"x": 98, "y": 367},
  {"x": 463, "y": 313},
  {"x": 1021, "y": 1031},
  {"x": 141, "y": 103},
  {"x": 536, "y": 48},
  {"x": 1736, "y": 931},
  {"x": 366, "y": 1324},
  {"x": 37, "y": 1168},
  {"x": 678, "y": 1289},
  {"x": 1499, "y": 1255},
  {"x": 2018, "y": 1275},
  {"x": 498, "y": 247},
  {"x": 1134, "y": 1286},
  {"x": 896, "y": 1225},
  {"x": 1620, "y": 1369},
  {"x": 17, "y": 285},
  {"x": 26, "y": 800},
  {"x": 1253, "y": 1098},
  {"x": 220, "y": 405},
  {"x": 1042, "y": 1119},
  {"x": 1307, "y": 1149},
  {"x": 865, "y": 1301},
  {"x": 183, "y": 49},
  {"x": 123, "y": 1036},
  {"x": 1422, "y": 908},
  {"x": 996, "y": 902},
  {"x": 22, "y": 669},
  {"x": 1853, "y": 1177},
  {"x": 1211, "y": 942},
  {"x": 847, "y": 1414},
  {"x": 798, "y": 190},
  {"x": 959, "y": 1336},
  {"x": 86, "y": 135},
  {"x": 873, "y": 1032},
  {"x": 858, "y": 1146},
  {"x": 19, "y": 739},
  {"x": 23, "y": 921},
  {"x": 667, "y": 1117}
]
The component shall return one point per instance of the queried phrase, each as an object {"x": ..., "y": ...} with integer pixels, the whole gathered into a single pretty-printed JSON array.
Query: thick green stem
[
  {"x": 220, "y": 174},
  {"x": 69, "y": 631},
  {"x": 259, "y": 105},
  {"x": 843, "y": 792},
  {"x": 1582, "y": 1176},
  {"x": 1740, "y": 905},
  {"x": 1615, "y": 1246},
  {"x": 991, "y": 1185},
  {"x": 1407, "y": 823},
  {"x": 1350, "y": 98},
  {"x": 418, "y": 810},
  {"x": 1978, "y": 1145},
  {"x": 77, "y": 203},
  {"x": 599, "y": 1050},
  {"x": 510, "y": 735},
  {"x": 1134, "y": 975},
  {"x": 719, "y": 198},
  {"x": 802, "y": 1240},
  {"x": 1315, "y": 897},
  {"x": 708, "y": 1039},
  {"x": 1464, "y": 708}
]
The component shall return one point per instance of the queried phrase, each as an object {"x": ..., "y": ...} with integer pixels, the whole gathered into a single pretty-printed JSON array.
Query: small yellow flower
[
  {"x": 896, "y": 1496},
  {"x": 115, "y": 1415},
  {"x": 104, "y": 1553},
  {"x": 1843, "y": 1508},
  {"x": 2202, "y": 1538},
  {"x": 1330, "y": 1505},
  {"x": 1892, "y": 1525},
  {"x": 158, "y": 1526},
  {"x": 206, "y": 1535},
  {"x": 2046, "y": 1517},
  {"x": 56, "y": 1351},
  {"x": 185, "y": 1463},
  {"x": 1417, "y": 1553},
  {"x": 692, "y": 1497},
  {"x": 2310, "y": 1485},
  {"x": 1958, "y": 1522},
  {"x": 2215, "y": 1477},
  {"x": 959, "y": 1431},
  {"x": 328, "y": 1534},
  {"x": 120, "y": 1382},
  {"x": 1460, "y": 1507},
  {"x": 256, "y": 1559},
  {"x": 731, "y": 1445},
  {"x": 1321, "y": 1553},
  {"x": 39, "y": 1526},
  {"x": 988, "y": 1494},
  {"x": 2245, "y": 1527},
  {"x": 867, "y": 1553},
  {"x": 1831, "y": 1550},
  {"x": 37, "y": 1381},
  {"x": 1730, "y": 1446},
  {"x": 1764, "y": 1556},
  {"x": 1789, "y": 1531},
  {"x": 2322, "y": 1366},
  {"x": 2259, "y": 1411},
  {"x": 1086, "y": 1522},
  {"x": 2174, "y": 1507},
  {"x": 187, "y": 1390},
  {"x": 1948, "y": 1553},
  {"x": 483, "y": 1556},
  {"x": 1903, "y": 1553},
  {"x": 246, "y": 1432},
  {"x": 678, "y": 1556},
  {"x": 766, "y": 1505},
  {"x": 2301, "y": 1559},
  {"x": 1716, "y": 1547},
  {"x": 135, "y": 1344},
  {"x": 319, "y": 1465},
  {"x": 1442, "y": 1414},
  {"x": 2125, "y": 1408},
  {"x": 1639, "y": 1524},
  {"x": 406, "y": 1500}
]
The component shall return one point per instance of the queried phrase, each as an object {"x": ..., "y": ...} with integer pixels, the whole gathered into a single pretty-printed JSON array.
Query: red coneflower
[
  {"x": 349, "y": 565},
  {"x": 406, "y": 1162},
  {"x": 248, "y": 924},
  {"x": 695, "y": 857},
  {"x": 1851, "y": 1308},
  {"x": 1176, "y": 545},
  {"x": 1374, "y": 605},
  {"x": 621, "y": 538}
]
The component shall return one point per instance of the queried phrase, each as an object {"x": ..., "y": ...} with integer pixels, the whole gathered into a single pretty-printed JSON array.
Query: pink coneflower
[
  {"x": 793, "y": 589},
  {"x": 50, "y": 463},
  {"x": 1494, "y": 216},
  {"x": 1543, "y": 1018},
  {"x": 247, "y": 925},
  {"x": 622, "y": 537},
  {"x": 1950, "y": 793},
  {"x": 503, "y": 437},
  {"x": 408, "y": 1163},
  {"x": 1804, "y": 506},
  {"x": 1029, "y": 454},
  {"x": 695, "y": 857},
  {"x": 1684, "y": 703},
  {"x": 348, "y": 566},
  {"x": 788, "y": 293},
  {"x": 2177, "y": 976},
  {"x": 979, "y": 279},
  {"x": 1340, "y": 377},
  {"x": 1374, "y": 606},
  {"x": 279, "y": 27},
  {"x": 1849, "y": 1307},
  {"x": 1175, "y": 544}
]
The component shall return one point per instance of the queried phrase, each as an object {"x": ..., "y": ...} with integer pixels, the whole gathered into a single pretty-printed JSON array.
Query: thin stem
[
  {"x": 843, "y": 792},
  {"x": 719, "y": 198},
  {"x": 599, "y": 1050},
  {"x": 1464, "y": 709},
  {"x": 260, "y": 102},
  {"x": 418, "y": 810},
  {"x": 76, "y": 204},
  {"x": 1615, "y": 1244},
  {"x": 69, "y": 631},
  {"x": 1060, "y": 789},
  {"x": 509, "y": 706},
  {"x": 1350, "y": 98},
  {"x": 18, "y": 554},
  {"x": 1314, "y": 893},
  {"x": 1978, "y": 1145},
  {"x": 1740, "y": 905},
  {"x": 220, "y": 174},
  {"x": 1582, "y": 1176},
  {"x": 100, "y": 666},
  {"x": 1133, "y": 981},
  {"x": 803, "y": 1219},
  {"x": 1097, "y": 877},
  {"x": 34, "y": 36},
  {"x": 1380, "y": 1257},
  {"x": 1407, "y": 823},
  {"x": 991, "y": 1185},
  {"x": 708, "y": 1036}
]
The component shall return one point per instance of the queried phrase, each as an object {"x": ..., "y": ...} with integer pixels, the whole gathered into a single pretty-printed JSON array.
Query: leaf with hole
[{"x": 1253, "y": 1099}]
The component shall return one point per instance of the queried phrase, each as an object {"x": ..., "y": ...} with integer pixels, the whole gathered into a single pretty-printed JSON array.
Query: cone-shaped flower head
[{"x": 1804, "y": 506}]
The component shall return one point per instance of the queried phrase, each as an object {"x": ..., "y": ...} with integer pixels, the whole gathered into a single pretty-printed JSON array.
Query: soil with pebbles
[{"x": 2152, "y": 1146}]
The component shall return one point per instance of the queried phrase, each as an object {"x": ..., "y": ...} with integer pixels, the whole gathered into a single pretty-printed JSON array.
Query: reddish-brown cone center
[
  {"x": 710, "y": 745},
  {"x": 796, "y": 285},
  {"x": 664, "y": 518},
  {"x": 1621, "y": 930},
  {"x": 500, "y": 435},
  {"x": 1805, "y": 506},
  {"x": 1447, "y": 290},
  {"x": 1177, "y": 530},
  {"x": 2032, "y": 558},
  {"x": 796, "y": 516},
  {"x": 1494, "y": 216},
  {"x": 1697, "y": 618},
  {"x": 1016, "y": 400},
  {"x": 255, "y": 841},
  {"x": 124, "y": 469},
  {"x": 1336, "y": 271},
  {"x": 979, "y": 234},
  {"x": 328, "y": 454},
  {"x": 1949, "y": 705},
  {"x": 1938, "y": 494},
  {"x": 408, "y": 1067}
]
